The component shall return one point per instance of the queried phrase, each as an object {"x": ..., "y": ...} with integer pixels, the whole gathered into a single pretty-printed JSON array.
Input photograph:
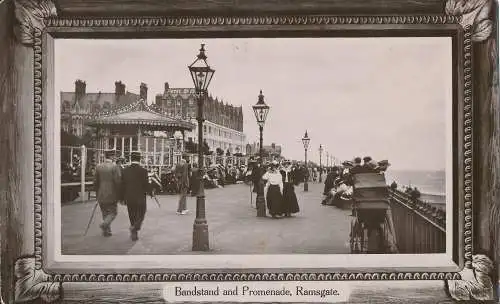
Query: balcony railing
[{"x": 419, "y": 226}]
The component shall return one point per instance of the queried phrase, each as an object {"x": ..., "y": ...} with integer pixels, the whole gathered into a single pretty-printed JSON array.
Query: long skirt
[
  {"x": 291, "y": 205},
  {"x": 274, "y": 200}
]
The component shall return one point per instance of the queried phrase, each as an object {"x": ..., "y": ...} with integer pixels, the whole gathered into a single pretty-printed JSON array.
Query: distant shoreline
[{"x": 433, "y": 198}]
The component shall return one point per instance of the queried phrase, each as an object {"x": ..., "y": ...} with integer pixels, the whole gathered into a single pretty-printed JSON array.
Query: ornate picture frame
[{"x": 25, "y": 67}]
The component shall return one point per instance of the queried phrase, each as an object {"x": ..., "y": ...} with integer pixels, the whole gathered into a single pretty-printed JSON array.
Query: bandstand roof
[{"x": 140, "y": 114}]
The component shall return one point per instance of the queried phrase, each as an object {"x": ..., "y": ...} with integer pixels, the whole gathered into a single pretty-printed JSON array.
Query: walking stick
[
  {"x": 156, "y": 200},
  {"x": 91, "y": 218}
]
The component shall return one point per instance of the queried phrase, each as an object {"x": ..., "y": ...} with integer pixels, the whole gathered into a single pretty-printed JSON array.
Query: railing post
[{"x": 83, "y": 164}]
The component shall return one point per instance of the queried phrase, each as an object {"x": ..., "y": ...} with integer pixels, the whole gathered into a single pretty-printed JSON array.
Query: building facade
[
  {"x": 79, "y": 106},
  {"x": 272, "y": 151},
  {"x": 223, "y": 126}
]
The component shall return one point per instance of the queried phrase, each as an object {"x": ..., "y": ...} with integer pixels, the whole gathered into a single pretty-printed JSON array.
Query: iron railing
[{"x": 419, "y": 226}]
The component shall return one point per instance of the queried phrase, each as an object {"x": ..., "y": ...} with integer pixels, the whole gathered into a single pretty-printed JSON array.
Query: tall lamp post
[
  {"x": 327, "y": 160},
  {"x": 320, "y": 166},
  {"x": 202, "y": 74},
  {"x": 260, "y": 110},
  {"x": 305, "y": 141}
]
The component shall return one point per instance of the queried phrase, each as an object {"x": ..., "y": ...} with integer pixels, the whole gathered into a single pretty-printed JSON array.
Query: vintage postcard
[{"x": 235, "y": 153}]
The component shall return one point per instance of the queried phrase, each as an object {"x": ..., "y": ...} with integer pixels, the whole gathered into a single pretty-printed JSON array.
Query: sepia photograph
[{"x": 254, "y": 146}]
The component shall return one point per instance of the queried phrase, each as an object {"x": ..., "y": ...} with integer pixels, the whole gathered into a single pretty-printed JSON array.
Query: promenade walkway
[{"x": 232, "y": 224}]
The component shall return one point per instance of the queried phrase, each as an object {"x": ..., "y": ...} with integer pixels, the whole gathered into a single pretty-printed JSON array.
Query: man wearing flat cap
[
  {"x": 135, "y": 188},
  {"x": 107, "y": 182}
]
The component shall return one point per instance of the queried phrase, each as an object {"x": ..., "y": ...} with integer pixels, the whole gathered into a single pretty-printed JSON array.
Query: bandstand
[{"x": 139, "y": 127}]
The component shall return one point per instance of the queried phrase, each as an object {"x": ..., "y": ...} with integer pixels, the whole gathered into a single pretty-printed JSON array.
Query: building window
[
  {"x": 106, "y": 106},
  {"x": 66, "y": 106}
]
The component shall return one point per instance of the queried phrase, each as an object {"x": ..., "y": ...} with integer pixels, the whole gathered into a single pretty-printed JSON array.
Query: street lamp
[
  {"x": 320, "y": 166},
  {"x": 327, "y": 159},
  {"x": 260, "y": 109},
  {"x": 305, "y": 141},
  {"x": 202, "y": 74}
]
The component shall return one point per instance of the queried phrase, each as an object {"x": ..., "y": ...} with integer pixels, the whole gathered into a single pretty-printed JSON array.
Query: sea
[{"x": 431, "y": 184}]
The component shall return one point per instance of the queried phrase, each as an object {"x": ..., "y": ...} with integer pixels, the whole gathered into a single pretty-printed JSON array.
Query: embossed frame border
[{"x": 117, "y": 27}]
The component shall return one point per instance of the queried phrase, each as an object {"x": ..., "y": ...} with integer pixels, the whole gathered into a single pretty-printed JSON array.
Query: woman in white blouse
[{"x": 274, "y": 190}]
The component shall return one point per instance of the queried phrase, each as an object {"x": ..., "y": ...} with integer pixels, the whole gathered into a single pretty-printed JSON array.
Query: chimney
[
  {"x": 80, "y": 87},
  {"x": 143, "y": 93},
  {"x": 119, "y": 88},
  {"x": 167, "y": 87}
]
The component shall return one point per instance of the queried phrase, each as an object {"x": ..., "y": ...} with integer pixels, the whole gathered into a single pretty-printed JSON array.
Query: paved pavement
[{"x": 233, "y": 227}]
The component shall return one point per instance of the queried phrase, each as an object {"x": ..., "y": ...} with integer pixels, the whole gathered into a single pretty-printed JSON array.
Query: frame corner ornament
[
  {"x": 30, "y": 15},
  {"x": 475, "y": 13},
  {"x": 32, "y": 283},
  {"x": 476, "y": 283}
]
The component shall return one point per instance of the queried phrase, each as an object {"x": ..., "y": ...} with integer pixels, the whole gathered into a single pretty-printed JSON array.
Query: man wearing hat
[
  {"x": 182, "y": 176},
  {"x": 135, "y": 188},
  {"x": 107, "y": 182},
  {"x": 257, "y": 172},
  {"x": 369, "y": 165},
  {"x": 329, "y": 182},
  {"x": 357, "y": 168}
]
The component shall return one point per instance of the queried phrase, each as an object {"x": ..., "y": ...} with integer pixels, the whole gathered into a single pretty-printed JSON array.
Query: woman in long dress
[
  {"x": 290, "y": 203},
  {"x": 274, "y": 190}
]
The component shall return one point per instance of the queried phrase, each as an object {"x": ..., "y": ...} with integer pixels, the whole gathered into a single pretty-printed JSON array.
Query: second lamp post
[
  {"x": 260, "y": 110},
  {"x": 202, "y": 74},
  {"x": 305, "y": 141},
  {"x": 320, "y": 165}
]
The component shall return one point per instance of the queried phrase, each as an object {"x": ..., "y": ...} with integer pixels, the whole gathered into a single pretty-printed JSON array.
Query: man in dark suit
[
  {"x": 135, "y": 189},
  {"x": 182, "y": 175},
  {"x": 107, "y": 182},
  {"x": 257, "y": 172},
  {"x": 194, "y": 182},
  {"x": 357, "y": 167},
  {"x": 330, "y": 179}
]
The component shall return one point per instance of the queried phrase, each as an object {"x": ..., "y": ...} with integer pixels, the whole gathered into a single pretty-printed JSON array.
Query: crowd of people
[
  {"x": 339, "y": 180},
  {"x": 277, "y": 182}
]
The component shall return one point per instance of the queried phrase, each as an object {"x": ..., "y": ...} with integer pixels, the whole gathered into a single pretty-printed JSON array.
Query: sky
[{"x": 382, "y": 97}]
